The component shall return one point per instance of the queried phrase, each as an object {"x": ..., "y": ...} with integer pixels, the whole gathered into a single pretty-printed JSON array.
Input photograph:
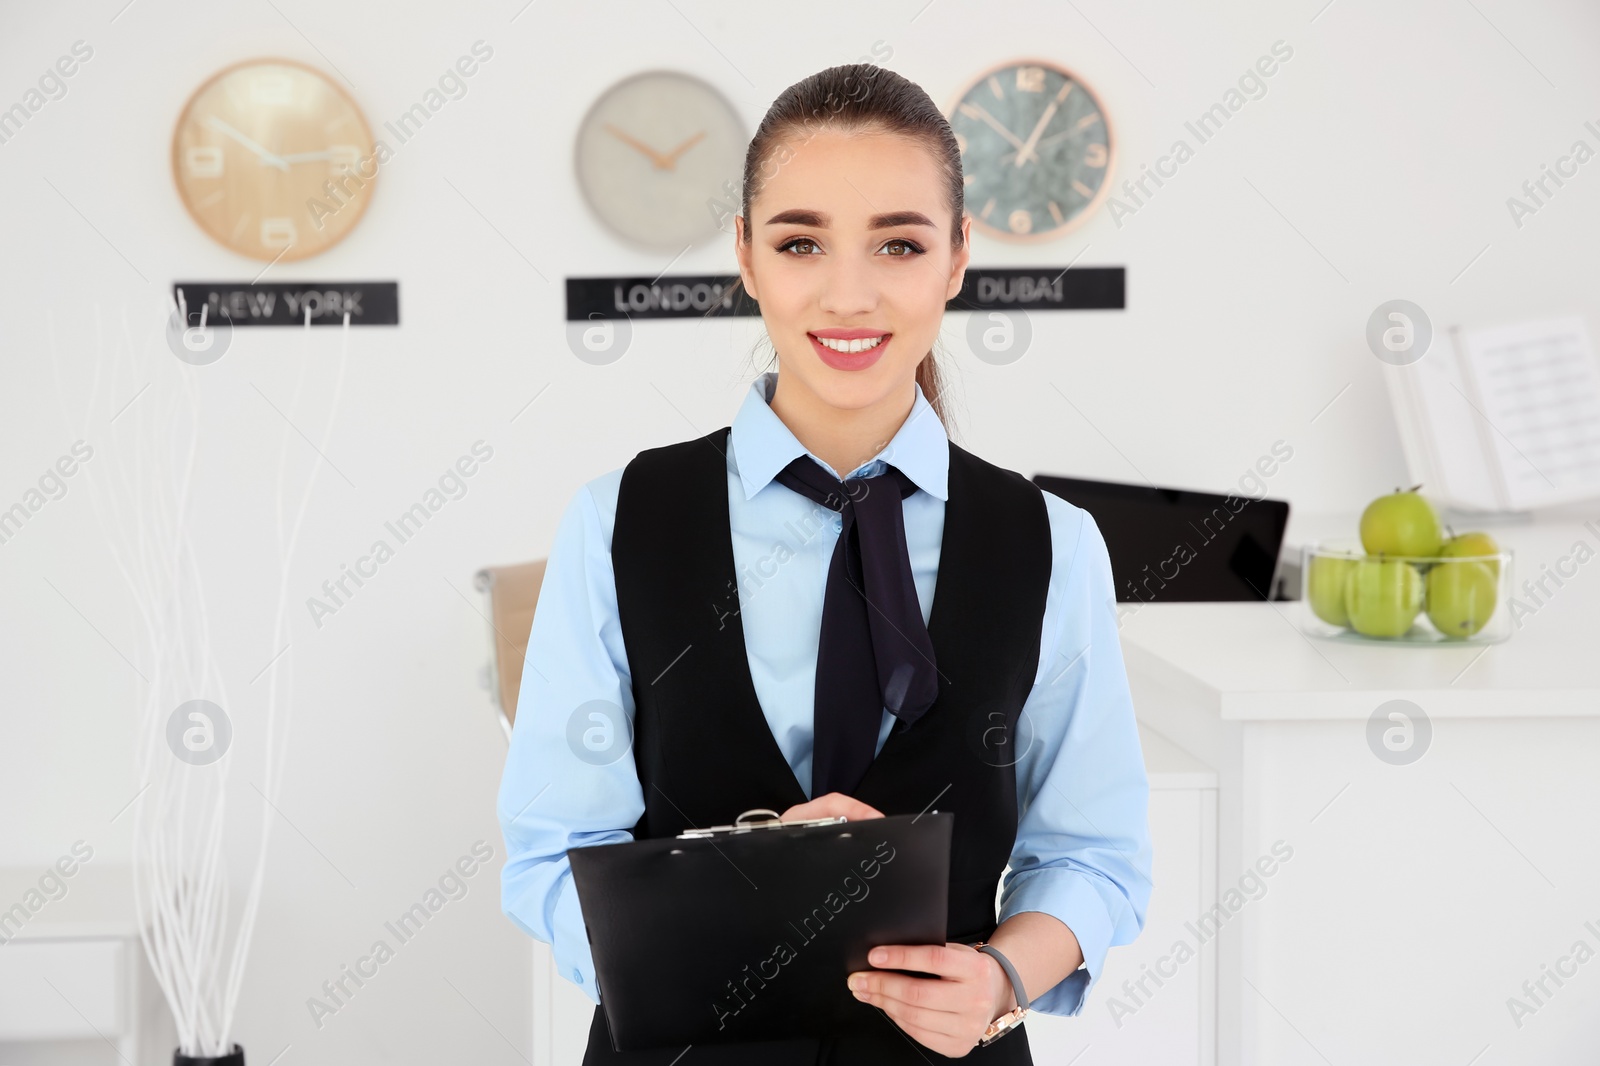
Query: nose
[{"x": 849, "y": 289}]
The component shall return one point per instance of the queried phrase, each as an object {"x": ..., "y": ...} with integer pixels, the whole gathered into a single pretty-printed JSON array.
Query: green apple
[
  {"x": 1468, "y": 544},
  {"x": 1461, "y": 596},
  {"x": 1325, "y": 588},
  {"x": 1401, "y": 523},
  {"x": 1383, "y": 596}
]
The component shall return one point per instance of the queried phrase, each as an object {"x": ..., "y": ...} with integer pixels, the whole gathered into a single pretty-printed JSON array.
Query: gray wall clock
[{"x": 653, "y": 155}]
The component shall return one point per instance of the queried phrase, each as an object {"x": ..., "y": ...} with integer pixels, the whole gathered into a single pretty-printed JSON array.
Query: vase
[{"x": 234, "y": 1058}]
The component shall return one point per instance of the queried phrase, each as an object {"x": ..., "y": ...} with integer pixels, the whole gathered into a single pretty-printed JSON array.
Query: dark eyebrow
[{"x": 800, "y": 216}]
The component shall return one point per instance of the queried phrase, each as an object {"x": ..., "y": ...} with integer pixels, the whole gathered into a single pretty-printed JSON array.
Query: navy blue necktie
[{"x": 874, "y": 652}]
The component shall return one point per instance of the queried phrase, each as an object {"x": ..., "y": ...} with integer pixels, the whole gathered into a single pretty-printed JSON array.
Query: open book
[{"x": 1504, "y": 418}]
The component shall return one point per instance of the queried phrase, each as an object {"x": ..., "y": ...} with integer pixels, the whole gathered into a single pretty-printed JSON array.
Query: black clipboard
[{"x": 748, "y": 932}]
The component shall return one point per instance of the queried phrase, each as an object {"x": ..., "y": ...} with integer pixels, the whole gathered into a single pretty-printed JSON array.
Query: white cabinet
[
  {"x": 75, "y": 989},
  {"x": 1156, "y": 1001},
  {"x": 1427, "y": 882},
  {"x": 62, "y": 989}
]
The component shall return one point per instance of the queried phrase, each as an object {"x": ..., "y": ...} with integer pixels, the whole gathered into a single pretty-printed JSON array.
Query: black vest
[{"x": 701, "y": 744}]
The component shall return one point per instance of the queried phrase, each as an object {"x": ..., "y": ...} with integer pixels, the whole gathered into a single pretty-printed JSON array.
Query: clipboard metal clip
[{"x": 747, "y": 822}]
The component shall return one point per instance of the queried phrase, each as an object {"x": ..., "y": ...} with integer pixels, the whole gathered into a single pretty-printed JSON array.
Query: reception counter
[{"x": 1429, "y": 892}]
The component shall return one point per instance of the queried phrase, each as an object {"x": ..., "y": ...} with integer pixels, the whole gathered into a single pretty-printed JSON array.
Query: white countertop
[{"x": 1251, "y": 660}]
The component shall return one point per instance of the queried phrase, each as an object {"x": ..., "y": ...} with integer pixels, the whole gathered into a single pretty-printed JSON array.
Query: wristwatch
[{"x": 1012, "y": 1018}]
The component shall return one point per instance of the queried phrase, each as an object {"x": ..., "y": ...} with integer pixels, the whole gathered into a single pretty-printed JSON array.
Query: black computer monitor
[{"x": 1179, "y": 545}]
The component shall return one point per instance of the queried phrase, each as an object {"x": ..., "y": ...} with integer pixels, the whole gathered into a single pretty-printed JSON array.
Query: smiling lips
[{"x": 849, "y": 349}]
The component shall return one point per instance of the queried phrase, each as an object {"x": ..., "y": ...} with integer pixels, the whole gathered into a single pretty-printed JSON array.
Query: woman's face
[{"x": 851, "y": 235}]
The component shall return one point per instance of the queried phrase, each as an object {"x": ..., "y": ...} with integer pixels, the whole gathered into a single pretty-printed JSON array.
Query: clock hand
[
  {"x": 974, "y": 109},
  {"x": 267, "y": 158},
  {"x": 1025, "y": 152},
  {"x": 655, "y": 157},
  {"x": 1073, "y": 132},
  {"x": 348, "y": 157},
  {"x": 672, "y": 156}
]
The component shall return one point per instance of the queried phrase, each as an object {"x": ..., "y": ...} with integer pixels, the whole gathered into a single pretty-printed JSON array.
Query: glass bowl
[{"x": 1349, "y": 595}]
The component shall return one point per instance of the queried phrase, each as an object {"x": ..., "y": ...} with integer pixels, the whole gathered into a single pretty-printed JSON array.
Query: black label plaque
[
  {"x": 675, "y": 296},
  {"x": 983, "y": 289},
  {"x": 285, "y": 303},
  {"x": 1042, "y": 289}
]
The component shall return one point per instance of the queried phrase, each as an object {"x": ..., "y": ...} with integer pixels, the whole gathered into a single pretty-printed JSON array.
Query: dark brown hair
[{"x": 852, "y": 98}]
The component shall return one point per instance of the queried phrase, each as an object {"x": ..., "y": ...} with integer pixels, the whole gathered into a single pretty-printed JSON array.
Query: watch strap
[{"x": 1011, "y": 973}]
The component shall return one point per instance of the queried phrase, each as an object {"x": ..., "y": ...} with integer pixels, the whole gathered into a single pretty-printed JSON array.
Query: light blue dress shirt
[{"x": 1082, "y": 852}]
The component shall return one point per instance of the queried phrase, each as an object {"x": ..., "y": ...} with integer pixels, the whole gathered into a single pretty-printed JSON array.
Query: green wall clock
[{"x": 1036, "y": 150}]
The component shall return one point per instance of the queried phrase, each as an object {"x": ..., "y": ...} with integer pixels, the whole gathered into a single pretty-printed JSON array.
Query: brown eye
[
  {"x": 797, "y": 240},
  {"x": 910, "y": 248}
]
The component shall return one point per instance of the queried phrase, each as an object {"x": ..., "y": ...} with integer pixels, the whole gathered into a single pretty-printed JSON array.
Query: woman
[{"x": 726, "y": 623}]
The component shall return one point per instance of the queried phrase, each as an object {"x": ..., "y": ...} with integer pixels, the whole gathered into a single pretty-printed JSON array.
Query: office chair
[{"x": 511, "y": 591}]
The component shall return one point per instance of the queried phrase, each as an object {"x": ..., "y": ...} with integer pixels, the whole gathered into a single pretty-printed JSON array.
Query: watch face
[
  {"x": 1035, "y": 150},
  {"x": 1003, "y": 1025},
  {"x": 273, "y": 160},
  {"x": 655, "y": 153}
]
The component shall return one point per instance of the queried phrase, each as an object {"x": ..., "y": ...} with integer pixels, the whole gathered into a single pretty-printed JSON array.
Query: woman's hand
[
  {"x": 831, "y": 805},
  {"x": 946, "y": 1014}
]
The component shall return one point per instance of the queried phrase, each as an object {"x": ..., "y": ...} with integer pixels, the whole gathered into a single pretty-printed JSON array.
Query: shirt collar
[{"x": 760, "y": 444}]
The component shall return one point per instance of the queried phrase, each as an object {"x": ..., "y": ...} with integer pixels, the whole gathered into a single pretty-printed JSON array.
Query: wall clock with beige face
[
  {"x": 1036, "y": 150},
  {"x": 254, "y": 149},
  {"x": 655, "y": 153}
]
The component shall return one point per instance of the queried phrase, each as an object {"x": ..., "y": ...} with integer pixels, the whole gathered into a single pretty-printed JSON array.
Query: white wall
[{"x": 1377, "y": 166}]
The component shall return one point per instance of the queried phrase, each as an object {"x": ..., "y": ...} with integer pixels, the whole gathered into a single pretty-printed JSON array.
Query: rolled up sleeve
[
  {"x": 1083, "y": 852},
  {"x": 569, "y": 778}
]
